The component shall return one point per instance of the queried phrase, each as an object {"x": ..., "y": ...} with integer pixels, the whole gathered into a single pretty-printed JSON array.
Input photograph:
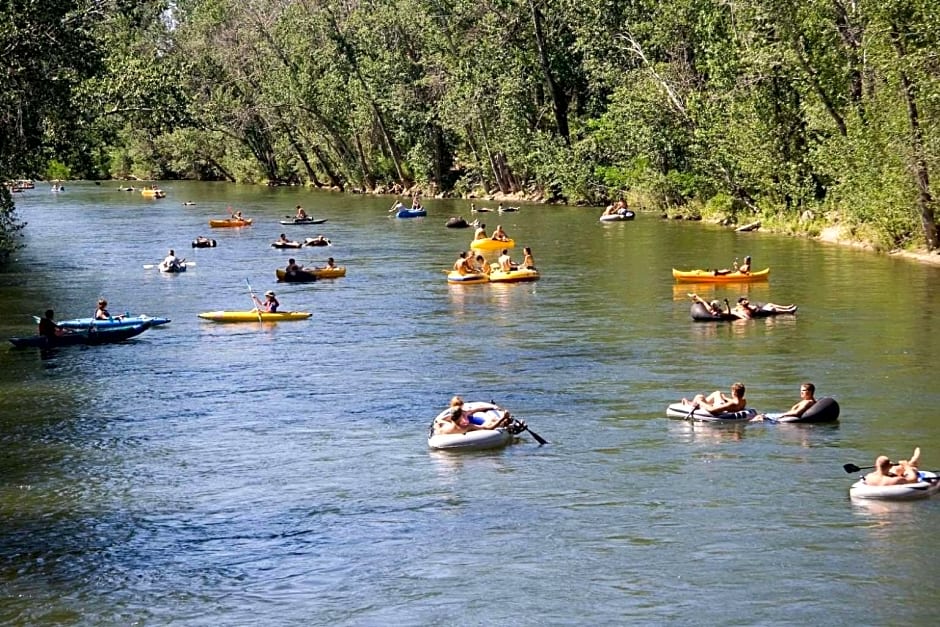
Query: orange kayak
[
  {"x": 230, "y": 222},
  {"x": 710, "y": 276}
]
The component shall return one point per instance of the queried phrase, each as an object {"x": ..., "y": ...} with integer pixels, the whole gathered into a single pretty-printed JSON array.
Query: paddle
[
  {"x": 691, "y": 413},
  {"x": 254, "y": 300},
  {"x": 542, "y": 441},
  {"x": 850, "y": 468},
  {"x": 150, "y": 266}
]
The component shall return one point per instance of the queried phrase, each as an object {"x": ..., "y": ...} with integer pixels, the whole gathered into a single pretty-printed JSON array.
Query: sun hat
[{"x": 269, "y": 293}]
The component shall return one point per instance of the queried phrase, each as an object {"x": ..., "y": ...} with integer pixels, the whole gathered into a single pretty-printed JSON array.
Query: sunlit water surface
[{"x": 279, "y": 474}]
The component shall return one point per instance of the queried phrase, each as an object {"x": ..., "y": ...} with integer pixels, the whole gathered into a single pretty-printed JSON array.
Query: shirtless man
[
  {"x": 884, "y": 475},
  {"x": 718, "y": 402},
  {"x": 807, "y": 400}
]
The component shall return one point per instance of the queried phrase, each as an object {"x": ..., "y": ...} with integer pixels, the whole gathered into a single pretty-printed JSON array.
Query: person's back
[
  {"x": 480, "y": 232},
  {"x": 47, "y": 326},
  {"x": 505, "y": 261},
  {"x": 461, "y": 264},
  {"x": 292, "y": 266}
]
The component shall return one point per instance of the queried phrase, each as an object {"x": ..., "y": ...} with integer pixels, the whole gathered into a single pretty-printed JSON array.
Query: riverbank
[{"x": 835, "y": 235}]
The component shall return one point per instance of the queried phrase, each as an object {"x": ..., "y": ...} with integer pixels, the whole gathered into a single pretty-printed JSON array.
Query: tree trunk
[
  {"x": 921, "y": 173},
  {"x": 560, "y": 100}
]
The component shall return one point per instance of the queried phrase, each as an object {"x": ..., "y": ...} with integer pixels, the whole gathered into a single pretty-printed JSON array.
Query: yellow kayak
[
  {"x": 315, "y": 273},
  {"x": 229, "y": 222},
  {"x": 252, "y": 316},
  {"x": 710, "y": 276},
  {"x": 514, "y": 276},
  {"x": 488, "y": 243}
]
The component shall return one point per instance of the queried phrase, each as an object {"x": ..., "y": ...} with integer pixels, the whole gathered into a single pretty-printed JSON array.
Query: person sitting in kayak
[
  {"x": 171, "y": 262},
  {"x": 745, "y": 268},
  {"x": 330, "y": 265},
  {"x": 48, "y": 327},
  {"x": 270, "y": 303},
  {"x": 807, "y": 400},
  {"x": 883, "y": 475},
  {"x": 301, "y": 214},
  {"x": 499, "y": 234},
  {"x": 102, "y": 313},
  {"x": 714, "y": 307},
  {"x": 718, "y": 402}
]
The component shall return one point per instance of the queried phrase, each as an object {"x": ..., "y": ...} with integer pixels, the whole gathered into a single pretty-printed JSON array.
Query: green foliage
[
  {"x": 10, "y": 226},
  {"x": 57, "y": 171},
  {"x": 749, "y": 108}
]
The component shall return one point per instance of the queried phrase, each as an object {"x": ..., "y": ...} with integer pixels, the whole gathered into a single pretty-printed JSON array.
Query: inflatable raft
[
  {"x": 824, "y": 410},
  {"x": 621, "y": 216},
  {"x": 288, "y": 244},
  {"x": 418, "y": 212},
  {"x": 456, "y": 223},
  {"x": 681, "y": 410},
  {"x": 468, "y": 279},
  {"x": 514, "y": 276},
  {"x": 204, "y": 243},
  {"x": 711, "y": 276},
  {"x": 254, "y": 316},
  {"x": 925, "y": 488},
  {"x": 700, "y": 314},
  {"x": 488, "y": 243},
  {"x": 479, "y": 440}
]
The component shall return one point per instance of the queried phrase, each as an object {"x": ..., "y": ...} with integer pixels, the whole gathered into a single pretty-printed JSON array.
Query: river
[{"x": 279, "y": 474}]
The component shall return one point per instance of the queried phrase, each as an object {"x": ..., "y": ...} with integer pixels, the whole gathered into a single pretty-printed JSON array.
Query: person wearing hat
[{"x": 270, "y": 303}]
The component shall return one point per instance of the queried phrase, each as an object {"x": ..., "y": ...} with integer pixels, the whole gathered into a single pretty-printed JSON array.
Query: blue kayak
[
  {"x": 89, "y": 337},
  {"x": 126, "y": 320}
]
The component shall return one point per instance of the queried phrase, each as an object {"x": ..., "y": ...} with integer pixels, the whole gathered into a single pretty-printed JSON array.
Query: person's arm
[{"x": 798, "y": 410}]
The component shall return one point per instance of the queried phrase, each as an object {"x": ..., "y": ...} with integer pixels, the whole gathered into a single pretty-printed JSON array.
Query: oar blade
[{"x": 542, "y": 441}]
